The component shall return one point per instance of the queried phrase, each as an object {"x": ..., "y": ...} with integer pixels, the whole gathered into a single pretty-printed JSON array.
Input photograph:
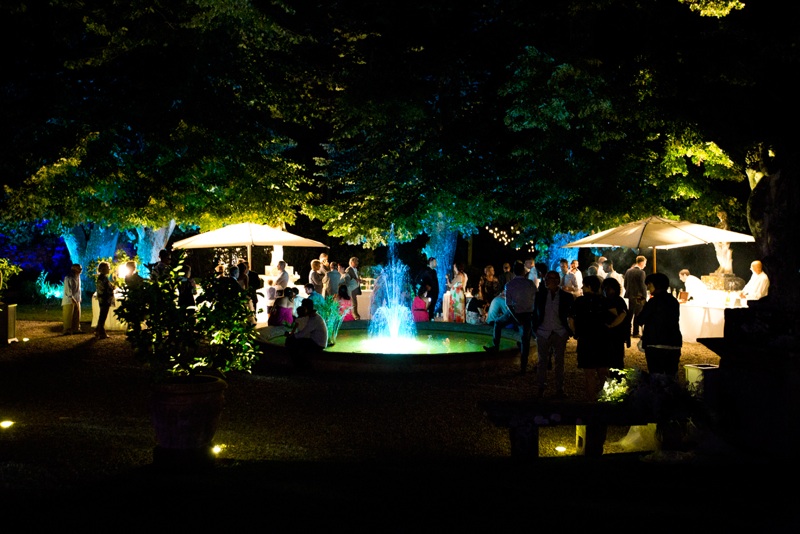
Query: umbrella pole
[
  {"x": 654, "y": 259},
  {"x": 250, "y": 258}
]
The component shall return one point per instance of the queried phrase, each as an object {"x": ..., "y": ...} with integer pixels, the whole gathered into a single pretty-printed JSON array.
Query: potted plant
[{"x": 187, "y": 350}]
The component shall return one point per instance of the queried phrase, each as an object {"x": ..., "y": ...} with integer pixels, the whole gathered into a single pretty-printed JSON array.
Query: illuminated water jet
[{"x": 392, "y": 321}]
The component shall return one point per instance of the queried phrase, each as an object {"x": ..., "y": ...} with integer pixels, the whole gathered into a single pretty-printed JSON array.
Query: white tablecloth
[
  {"x": 112, "y": 323},
  {"x": 701, "y": 321}
]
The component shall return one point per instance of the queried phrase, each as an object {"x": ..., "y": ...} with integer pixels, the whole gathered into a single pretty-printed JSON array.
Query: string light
[{"x": 510, "y": 237}]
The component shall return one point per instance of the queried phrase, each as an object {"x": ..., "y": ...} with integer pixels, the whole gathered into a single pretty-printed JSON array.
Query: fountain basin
[{"x": 441, "y": 347}]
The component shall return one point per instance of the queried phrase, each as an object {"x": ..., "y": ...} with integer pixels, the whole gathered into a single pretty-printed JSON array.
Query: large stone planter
[{"x": 186, "y": 413}]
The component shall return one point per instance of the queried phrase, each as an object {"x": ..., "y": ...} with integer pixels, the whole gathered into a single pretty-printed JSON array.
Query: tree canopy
[
  {"x": 150, "y": 112},
  {"x": 554, "y": 117}
]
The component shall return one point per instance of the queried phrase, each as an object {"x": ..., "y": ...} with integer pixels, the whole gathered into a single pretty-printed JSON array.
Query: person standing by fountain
[
  {"x": 430, "y": 281},
  {"x": 419, "y": 308},
  {"x": 345, "y": 304},
  {"x": 332, "y": 280},
  {"x": 282, "y": 281},
  {"x": 317, "y": 276},
  {"x": 458, "y": 300},
  {"x": 520, "y": 297},
  {"x": 354, "y": 285}
]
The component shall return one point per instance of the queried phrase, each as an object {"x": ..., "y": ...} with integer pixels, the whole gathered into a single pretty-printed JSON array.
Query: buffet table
[
  {"x": 701, "y": 321},
  {"x": 706, "y": 317}
]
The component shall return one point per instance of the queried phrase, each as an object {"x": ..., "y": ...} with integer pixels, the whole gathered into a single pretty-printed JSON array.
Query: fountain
[
  {"x": 392, "y": 325},
  {"x": 393, "y": 341}
]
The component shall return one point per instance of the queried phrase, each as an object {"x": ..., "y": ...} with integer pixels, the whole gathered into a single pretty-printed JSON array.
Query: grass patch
[{"x": 40, "y": 312}]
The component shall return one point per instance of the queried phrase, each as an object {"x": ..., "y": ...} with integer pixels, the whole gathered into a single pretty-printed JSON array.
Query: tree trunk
[
  {"x": 773, "y": 219},
  {"x": 442, "y": 246},
  {"x": 90, "y": 242},
  {"x": 151, "y": 241}
]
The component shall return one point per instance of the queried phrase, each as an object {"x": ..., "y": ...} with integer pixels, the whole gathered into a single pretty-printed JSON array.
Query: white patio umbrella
[
  {"x": 658, "y": 232},
  {"x": 246, "y": 235}
]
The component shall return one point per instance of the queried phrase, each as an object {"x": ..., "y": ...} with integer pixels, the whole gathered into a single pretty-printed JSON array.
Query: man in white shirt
[
  {"x": 576, "y": 271},
  {"x": 532, "y": 273},
  {"x": 569, "y": 282},
  {"x": 282, "y": 282},
  {"x": 601, "y": 272},
  {"x": 695, "y": 287},
  {"x": 758, "y": 286},
  {"x": 608, "y": 266}
]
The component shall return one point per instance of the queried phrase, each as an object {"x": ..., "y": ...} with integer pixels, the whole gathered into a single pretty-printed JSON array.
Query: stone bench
[{"x": 591, "y": 421}]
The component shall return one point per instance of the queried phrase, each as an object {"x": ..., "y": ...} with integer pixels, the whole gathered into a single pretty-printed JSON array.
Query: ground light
[
  {"x": 6, "y": 424},
  {"x": 561, "y": 449},
  {"x": 217, "y": 449}
]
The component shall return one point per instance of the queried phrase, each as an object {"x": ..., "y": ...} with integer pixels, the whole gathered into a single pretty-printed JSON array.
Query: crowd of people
[{"x": 602, "y": 308}]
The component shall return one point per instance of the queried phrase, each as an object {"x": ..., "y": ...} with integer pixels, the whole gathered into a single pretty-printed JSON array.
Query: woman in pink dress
[
  {"x": 419, "y": 307},
  {"x": 345, "y": 304},
  {"x": 283, "y": 309}
]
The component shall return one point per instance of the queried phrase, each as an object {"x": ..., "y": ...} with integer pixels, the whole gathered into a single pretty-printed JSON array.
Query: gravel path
[{"x": 80, "y": 408}]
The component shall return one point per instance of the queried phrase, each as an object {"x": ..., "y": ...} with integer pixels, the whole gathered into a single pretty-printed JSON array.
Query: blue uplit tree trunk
[
  {"x": 150, "y": 242},
  {"x": 89, "y": 242},
  {"x": 442, "y": 246}
]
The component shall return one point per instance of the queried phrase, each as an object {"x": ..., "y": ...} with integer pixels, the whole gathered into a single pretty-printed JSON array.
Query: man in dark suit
[
  {"x": 254, "y": 283},
  {"x": 636, "y": 291},
  {"x": 429, "y": 279},
  {"x": 551, "y": 310},
  {"x": 354, "y": 285}
]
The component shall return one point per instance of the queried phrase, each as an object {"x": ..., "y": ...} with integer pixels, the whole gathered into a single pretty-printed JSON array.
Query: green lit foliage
[
  {"x": 328, "y": 309},
  {"x": 168, "y": 112},
  {"x": 47, "y": 290},
  {"x": 7, "y": 270},
  {"x": 713, "y": 8},
  {"x": 413, "y": 136},
  {"x": 216, "y": 336},
  {"x": 596, "y": 147}
]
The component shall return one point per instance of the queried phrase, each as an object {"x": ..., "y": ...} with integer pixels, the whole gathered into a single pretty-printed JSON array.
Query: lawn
[{"x": 49, "y": 312}]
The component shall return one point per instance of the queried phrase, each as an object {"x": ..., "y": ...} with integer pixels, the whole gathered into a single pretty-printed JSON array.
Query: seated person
[
  {"x": 283, "y": 310},
  {"x": 419, "y": 307},
  {"x": 314, "y": 295},
  {"x": 475, "y": 308},
  {"x": 310, "y": 335}
]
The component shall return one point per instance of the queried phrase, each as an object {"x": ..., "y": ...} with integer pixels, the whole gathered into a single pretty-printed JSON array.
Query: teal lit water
[{"x": 430, "y": 342}]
